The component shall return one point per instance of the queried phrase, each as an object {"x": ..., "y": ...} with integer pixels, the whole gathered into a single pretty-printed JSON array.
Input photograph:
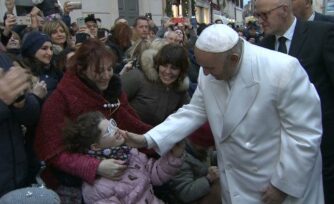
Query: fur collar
[{"x": 147, "y": 66}]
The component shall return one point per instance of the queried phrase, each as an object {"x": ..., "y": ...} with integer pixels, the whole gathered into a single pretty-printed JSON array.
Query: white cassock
[{"x": 267, "y": 129}]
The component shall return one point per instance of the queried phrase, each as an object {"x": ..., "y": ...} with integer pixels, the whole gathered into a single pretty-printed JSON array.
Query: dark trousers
[{"x": 327, "y": 150}]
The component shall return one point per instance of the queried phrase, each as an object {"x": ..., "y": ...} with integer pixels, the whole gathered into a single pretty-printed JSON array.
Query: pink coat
[{"x": 136, "y": 185}]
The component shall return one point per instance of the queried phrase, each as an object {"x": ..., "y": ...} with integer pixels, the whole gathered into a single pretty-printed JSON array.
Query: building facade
[{"x": 205, "y": 11}]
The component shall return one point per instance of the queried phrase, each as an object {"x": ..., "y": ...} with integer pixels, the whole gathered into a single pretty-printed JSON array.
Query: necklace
[{"x": 112, "y": 106}]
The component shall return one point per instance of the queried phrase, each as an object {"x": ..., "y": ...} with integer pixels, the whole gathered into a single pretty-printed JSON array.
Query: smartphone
[
  {"x": 81, "y": 22},
  {"x": 75, "y": 4},
  {"x": 81, "y": 37},
  {"x": 101, "y": 33},
  {"x": 23, "y": 20}
]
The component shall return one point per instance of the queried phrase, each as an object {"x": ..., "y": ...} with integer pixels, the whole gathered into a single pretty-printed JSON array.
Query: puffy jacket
[{"x": 136, "y": 183}]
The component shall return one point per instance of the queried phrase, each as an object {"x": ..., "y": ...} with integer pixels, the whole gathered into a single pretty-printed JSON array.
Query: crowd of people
[{"x": 179, "y": 113}]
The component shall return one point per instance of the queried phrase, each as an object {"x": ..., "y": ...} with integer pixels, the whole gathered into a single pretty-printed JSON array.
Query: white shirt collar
[
  {"x": 311, "y": 18},
  {"x": 289, "y": 33}
]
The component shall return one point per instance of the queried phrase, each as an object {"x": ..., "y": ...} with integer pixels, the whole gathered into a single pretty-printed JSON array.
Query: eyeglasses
[
  {"x": 111, "y": 129},
  {"x": 264, "y": 15}
]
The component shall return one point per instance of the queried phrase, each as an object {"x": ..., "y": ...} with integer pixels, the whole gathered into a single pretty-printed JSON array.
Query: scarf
[{"x": 119, "y": 153}]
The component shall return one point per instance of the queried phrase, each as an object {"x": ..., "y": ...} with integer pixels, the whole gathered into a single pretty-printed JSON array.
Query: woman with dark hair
[
  {"x": 119, "y": 42},
  {"x": 181, "y": 37},
  {"x": 160, "y": 87},
  {"x": 88, "y": 85},
  {"x": 63, "y": 58},
  {"x": 121, "y": 35},
  {"x": 37, "y": 53}
]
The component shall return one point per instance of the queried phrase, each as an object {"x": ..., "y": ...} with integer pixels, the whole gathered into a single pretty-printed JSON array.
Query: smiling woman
[
  {"x": 37, "y": 53},
  {"x": 58, "y": 32},
  {"x": 160, "y": 86}
]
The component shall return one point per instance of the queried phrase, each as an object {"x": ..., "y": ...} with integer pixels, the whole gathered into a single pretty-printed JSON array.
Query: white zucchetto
[{"x": 217, "y": 38}]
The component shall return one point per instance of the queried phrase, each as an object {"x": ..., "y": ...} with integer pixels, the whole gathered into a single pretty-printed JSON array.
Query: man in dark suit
[
  {"x": 312, "y": 43},
  {"x": 303, "y": 10}
]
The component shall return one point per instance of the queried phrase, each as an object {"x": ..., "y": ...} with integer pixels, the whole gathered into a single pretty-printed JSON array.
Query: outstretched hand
[{"x": 134, "y": 140}]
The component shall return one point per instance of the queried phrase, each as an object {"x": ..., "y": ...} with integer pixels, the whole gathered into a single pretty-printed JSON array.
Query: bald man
[
  {"x": 303, "y": 10},
  {"x": 171, "y": 37},
  {"x": 312, "y": 43}
]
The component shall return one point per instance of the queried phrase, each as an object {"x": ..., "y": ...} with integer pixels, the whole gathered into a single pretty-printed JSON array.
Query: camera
[
  {"x": 148, "y": 15},
  {"x": 75, "y": 4},
  {"x": 81, "y": 37},
  {"x": 101, "y": 33}
]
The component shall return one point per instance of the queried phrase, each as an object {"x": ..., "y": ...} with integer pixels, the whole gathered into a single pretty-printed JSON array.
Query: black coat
[
  {"x": 323, "y": 18},
  {"x": 13, "y": 160}
]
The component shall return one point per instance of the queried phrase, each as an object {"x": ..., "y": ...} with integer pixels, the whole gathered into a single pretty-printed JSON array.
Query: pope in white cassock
[{"x": 265, "y": 117}]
